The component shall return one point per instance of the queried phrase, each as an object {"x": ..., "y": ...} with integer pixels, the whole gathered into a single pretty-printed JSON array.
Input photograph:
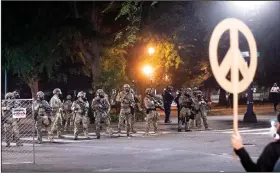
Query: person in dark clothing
[
  {"x": 275, "y": 91},
  {"x": 167, "y": 99},
  {"x": 179, "y": 93},
  {"x": 268, "y": 158}
]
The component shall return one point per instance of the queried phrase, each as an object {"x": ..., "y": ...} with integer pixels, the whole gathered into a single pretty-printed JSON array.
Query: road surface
[{"x": 209, "y": 151}]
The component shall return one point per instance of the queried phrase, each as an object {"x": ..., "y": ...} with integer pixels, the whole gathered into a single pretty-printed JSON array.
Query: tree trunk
[
  {"x": 222, "y": 97},
  {"x": 34, "y": 87}
]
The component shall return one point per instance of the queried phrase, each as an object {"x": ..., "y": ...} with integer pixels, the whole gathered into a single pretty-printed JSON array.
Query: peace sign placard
[
  {"x": 220, "y": 71},
  {"x": 233, "y": 61}
]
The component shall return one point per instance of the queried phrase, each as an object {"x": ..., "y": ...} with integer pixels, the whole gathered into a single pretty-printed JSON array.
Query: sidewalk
[
  {"x": 215, "y": 122},
  {"x": 217, "y": 110}
]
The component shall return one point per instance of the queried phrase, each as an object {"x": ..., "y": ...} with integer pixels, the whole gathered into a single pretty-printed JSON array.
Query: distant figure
[
  {"x": 230, "y": 99},
  {"x": 275, "y": 95},
  {"x": 167, "y": 99}
]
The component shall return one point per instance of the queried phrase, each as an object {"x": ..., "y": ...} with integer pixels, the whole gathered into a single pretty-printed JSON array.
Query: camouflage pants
[
  {"x": 42, "y": 121},
  {"x": 85, "y": 122},
  {"x": 98, "y": 119},
  {"x": 125, "y": 114},
  {"x": 133, "y": 120},
  {"x": 68, "y": 120},
  {"x": 151, "y": 118},
  {"x": 202, "y": 114},
  {"x": 184, "y": 118},
  {"x": 11, "y": 131},
  {"x": 57, "y": 124}
]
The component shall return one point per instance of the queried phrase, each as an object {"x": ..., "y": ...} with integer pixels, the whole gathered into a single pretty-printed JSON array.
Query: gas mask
[
  {"x": 127, "y": 89},
  {"x": 84, "y": 98},
  {"x": 101, "y": 95}
]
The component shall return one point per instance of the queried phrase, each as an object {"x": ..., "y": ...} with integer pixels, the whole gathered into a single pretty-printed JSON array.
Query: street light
[
  {"x": 148, "y": 70},
  {"x": 151, "y": 50}
]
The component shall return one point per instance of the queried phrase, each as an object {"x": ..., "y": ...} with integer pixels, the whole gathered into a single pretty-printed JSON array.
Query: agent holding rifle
[
  {"x": 127, "y": 101},
  {"x": 101, "y": 106},
  {"x": 152, "y": 116}
]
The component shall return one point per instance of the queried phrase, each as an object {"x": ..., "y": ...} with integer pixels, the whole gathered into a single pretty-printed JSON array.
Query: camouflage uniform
[
  {"x": 80, "y": 108},
  {"x": 42, "y": 112},
  {"x": 202, "y": 112},
  {"x": 152, "y": 116},
  {"x": 185, "y": 102},
  {"x": 101, "y": 106},
  {"x": 195, "y": 108},
  {"x": 68, "y": 115},
  {"x": 127, "y": 104},
  {"x": 57, "y": 111},
  {"x": 10, "y": 124},
  {"x": 137, "y": 105}
]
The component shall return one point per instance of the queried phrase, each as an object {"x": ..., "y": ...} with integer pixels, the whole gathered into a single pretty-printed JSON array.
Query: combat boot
[
  {"x": 98, "y": 137},
  {"x": 207, "y": 128},
  {"x": 179, "y": 130}
]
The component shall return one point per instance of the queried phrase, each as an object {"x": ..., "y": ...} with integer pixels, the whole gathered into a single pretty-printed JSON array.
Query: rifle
[
  {"x": 158, "y": 103},
  {"x": 104, "y": 107}
]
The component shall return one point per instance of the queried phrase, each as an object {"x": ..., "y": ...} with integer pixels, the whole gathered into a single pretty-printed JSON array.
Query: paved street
[{"x": 169, "y": 151}]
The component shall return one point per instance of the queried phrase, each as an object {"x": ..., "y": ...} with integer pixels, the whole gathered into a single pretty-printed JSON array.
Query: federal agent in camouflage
[
  {"x": 57, "y": 112},
  {"x": 152, "y": 116},
  {"x": 68, "y": 114},
  {"x": 10, "y": 124},
  {"x": 101, "y": 107},
  {"x": 133, "y": 110},
  {"x": 127, "y": 101},
  {"x": 185, "y": 102},
  {"x": 42, "y": 113},
  {"x": 202, "y": 112},
  {"x": 194, "y": 108},
  {"x": 80, "y": 108}
]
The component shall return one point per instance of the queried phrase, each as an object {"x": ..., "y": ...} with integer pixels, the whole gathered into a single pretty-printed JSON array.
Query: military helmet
[
  {"x": 148, "y": 91},
  {"x": 40, "y": 94},
  {"x": 126, "y": 86},
  {"x": 188, "y": 90},
  {"x": 16, "y": 94},
  {"x": 68, "y": 97},
  {"x": 9, "y": 95},
  {"x": 195, "y": 89},
  {"x": 57, "y": 91},
  {"x": 99, "y": 91},
  {"x": 80, "y": 94}
]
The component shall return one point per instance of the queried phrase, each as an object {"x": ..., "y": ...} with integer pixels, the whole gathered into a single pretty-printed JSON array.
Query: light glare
[
  {"x": 151, "y": 50},
  {"x": 148, "y": 70}
]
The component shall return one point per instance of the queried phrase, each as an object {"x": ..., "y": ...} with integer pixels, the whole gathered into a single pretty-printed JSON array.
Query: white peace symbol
[{"x": 230, "y": 62}]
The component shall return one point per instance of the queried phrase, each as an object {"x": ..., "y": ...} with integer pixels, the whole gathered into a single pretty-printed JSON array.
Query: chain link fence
[{"x": 18, "y": 131}]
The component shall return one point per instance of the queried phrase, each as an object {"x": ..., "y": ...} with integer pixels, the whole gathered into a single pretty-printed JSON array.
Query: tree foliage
[{"x": 31, "y": 46}]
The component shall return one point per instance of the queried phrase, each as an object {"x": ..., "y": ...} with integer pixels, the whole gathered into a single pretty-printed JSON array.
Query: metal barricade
[{"x": 18, "y": 131}]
